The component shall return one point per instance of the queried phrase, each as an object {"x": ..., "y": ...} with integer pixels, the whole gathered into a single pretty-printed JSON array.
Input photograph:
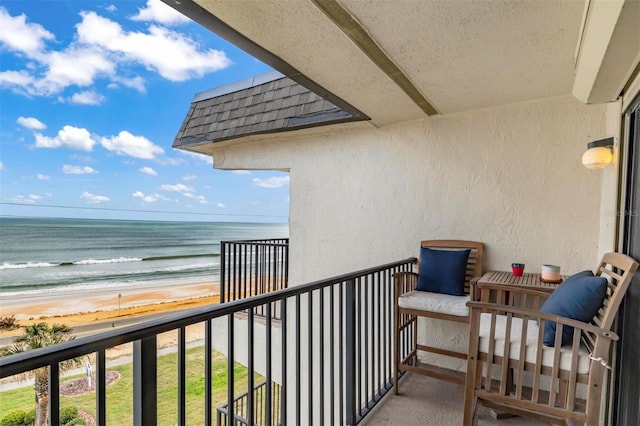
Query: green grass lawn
[{"x": 119, "y": 394}]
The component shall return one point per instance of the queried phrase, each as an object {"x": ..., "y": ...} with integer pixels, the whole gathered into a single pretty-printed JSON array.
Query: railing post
[
  {"x": 223, "y": 269},
  {"x": 350, "y": 353},
  {"x": 145, "y": 382}
]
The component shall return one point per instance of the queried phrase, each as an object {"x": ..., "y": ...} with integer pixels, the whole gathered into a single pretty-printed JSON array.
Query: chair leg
[{"x": 470, "y": 400}]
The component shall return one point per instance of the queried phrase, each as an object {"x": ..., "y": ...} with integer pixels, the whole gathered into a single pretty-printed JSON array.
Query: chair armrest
[
  {"x": 405, "y": 282},
  {"x": 478, "y": 307}
]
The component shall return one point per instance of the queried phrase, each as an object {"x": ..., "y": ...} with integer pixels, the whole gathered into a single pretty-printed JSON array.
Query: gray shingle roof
[{"x": 264, "y": 104}]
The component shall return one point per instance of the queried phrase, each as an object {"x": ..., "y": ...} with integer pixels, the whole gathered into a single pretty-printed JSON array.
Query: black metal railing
[
  {"x": 252, "y": 267},
  {"x": 240, "y": 408},
  {"x": 331, "y": 352}
]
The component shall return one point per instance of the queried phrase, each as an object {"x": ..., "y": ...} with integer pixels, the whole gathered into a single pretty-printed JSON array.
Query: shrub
[
  {"x": 76, "y": 422},
  {"x": 68, "y": 413},
  {"x": 30, "y": 417},
  {"x": 13, "y": 418},
  {"x": 8, "y": 323}
]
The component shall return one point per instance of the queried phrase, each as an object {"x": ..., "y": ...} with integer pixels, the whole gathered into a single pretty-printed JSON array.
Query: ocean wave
[
  {"x": 102, "y": 261},
  {"x": 180, "y": 256},
  {"x": 34, "y": 264},
  {"x": 27, "y": 265}
]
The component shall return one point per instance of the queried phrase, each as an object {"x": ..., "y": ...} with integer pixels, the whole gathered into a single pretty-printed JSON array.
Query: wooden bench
[
  {"x": 518, "y": 364},
  {"x": 411, "y": 304}
]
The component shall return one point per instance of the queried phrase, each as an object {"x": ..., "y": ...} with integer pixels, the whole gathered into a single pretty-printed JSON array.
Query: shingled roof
[{"x": 267, "y": 103}]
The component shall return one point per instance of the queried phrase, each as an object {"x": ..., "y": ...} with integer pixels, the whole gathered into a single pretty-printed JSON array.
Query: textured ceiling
[{"x": 460, "y": 55}]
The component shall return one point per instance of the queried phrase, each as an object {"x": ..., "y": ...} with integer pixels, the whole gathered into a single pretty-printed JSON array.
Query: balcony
[{"x": 316, "y": 354}]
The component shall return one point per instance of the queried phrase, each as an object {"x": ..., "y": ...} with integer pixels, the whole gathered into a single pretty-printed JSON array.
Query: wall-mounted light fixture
[{"x": 599, "y": 154}]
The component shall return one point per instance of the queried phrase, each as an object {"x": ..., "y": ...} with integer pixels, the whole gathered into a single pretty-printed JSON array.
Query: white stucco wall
[{"x": 509, "y": 176}]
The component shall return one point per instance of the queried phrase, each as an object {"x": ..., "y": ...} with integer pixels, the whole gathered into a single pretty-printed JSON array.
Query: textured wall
[{"x": 508, "y": 176}]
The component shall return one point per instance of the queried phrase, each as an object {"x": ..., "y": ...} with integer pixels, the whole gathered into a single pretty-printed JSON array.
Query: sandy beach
[{"x": 84, "y": 308}]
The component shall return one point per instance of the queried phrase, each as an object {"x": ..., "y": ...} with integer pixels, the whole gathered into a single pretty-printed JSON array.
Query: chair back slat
[
  {"x": 474, "y": 263},
  {"x": 618, "y": 269}
]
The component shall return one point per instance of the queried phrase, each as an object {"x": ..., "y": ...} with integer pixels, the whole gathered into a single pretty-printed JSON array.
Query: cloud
[
  {"x": 221, "y": 205},
  {"x": 21, "y": 36},
  {"x": 69, "y": 137},
  {"x": 25, "y": 199},
  {"x": 2, "y": 167},
  {"x": 199, "y": 198},
  {"x": 102, "y": 49},
  {"x": 272, "y": 182},
  {"x": 179, "y": 187},
  {"x": 157, "y": 11},
  {"x": 111, "y": 8},
  {"x": 148, "y": 171},
  {"x": 135, "y": 146},
  {"x": 145, "y": 198},
  {"x": 88, "y": 97},
  {"x": 174, "y": 56},
  {"x": 189, "y": 177},
  {"x": 78, "y": 170},
  {"x": 31, "y": 123},
  {"x": 241, "y": 172},
  {"x": 92, "y": 198},
  {"x": 43, "y": 177}
]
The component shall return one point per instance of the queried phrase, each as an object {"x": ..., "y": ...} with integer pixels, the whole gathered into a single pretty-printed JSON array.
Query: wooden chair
[
  {"x": 559, "y": 384},
  {"x": 411, "y": 304}
]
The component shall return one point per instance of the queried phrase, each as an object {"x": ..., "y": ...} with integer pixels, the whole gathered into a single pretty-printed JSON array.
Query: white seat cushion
[
  {"x": 435, "y": 302},
  {"x": 532, "y": 343}
]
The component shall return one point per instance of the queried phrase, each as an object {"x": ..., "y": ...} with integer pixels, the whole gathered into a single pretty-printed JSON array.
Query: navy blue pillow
[
  {"x": 442, "y": 271},
  {"x": 579, "y": 298}
]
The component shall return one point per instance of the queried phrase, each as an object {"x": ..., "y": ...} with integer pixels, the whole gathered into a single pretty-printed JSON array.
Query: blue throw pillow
[
  {"x": 442, "y": 271},
  {"x": 579, "y": 298}
]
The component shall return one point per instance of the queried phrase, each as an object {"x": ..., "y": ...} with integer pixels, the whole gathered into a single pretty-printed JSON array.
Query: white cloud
[
  {"x": 145, "y": 198},
  {"x": 31, "y": 123},
  {"x": 148, "y": 171},
  {"x": 101, "y": 48},
  {"x": 2, "y": 167},
  {"x": 189, "y": 177},
  {"x": 111, "y": 8},
  {"x": 88, "y": 97},
  {"x": 272, "y": 182},
  {"x": 69, "y": 137},
  {"x": 21, "y": 36},
  {"x": 174, "y": 56},
  {"x": 179, "y": 187},
  {"x": 197, "y": 156},
  {"x": 158, "y": 11},
  {"x": 78, "y": 170},
  {"x": 92, "y": 198},
  {"x": 20, "y": 81},
  {"x": 241, "y": 172},
  {"x": 136, "y": 83},
  {"x": 221, "y": 205},
  {"x": 135, "y": 146},
  {"x": 43, "y": 177},
  {"x": 25, "y": 199}
]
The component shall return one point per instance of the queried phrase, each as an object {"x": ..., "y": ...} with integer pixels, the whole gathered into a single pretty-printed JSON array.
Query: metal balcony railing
[
  {"x": 252, "y": 267},
  {"x": 240, "y": 408},
  {"x": 331, "y": 352}
]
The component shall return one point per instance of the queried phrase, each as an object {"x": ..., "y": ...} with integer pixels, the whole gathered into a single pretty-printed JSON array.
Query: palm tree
[{"x": 38, "y": 336}]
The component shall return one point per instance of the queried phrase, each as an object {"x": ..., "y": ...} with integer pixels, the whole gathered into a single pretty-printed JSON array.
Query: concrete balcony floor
[{"x": 424, "y": 401}]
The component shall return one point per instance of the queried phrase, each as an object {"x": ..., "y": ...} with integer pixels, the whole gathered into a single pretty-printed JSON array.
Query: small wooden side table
[{"x": 527, "y": 280}]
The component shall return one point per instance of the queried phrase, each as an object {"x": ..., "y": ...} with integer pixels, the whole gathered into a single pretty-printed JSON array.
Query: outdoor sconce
[{"x": 599, "y": 154}]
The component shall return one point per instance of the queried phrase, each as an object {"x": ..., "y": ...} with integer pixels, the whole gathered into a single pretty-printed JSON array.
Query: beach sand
[{"x": 99, "y": 311}]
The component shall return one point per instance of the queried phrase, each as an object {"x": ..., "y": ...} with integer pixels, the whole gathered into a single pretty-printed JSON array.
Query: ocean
[{"x": 40, "y": 255}]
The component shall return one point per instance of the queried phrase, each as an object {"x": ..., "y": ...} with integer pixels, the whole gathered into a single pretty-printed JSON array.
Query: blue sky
[{"x": 92, "y": 95}]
